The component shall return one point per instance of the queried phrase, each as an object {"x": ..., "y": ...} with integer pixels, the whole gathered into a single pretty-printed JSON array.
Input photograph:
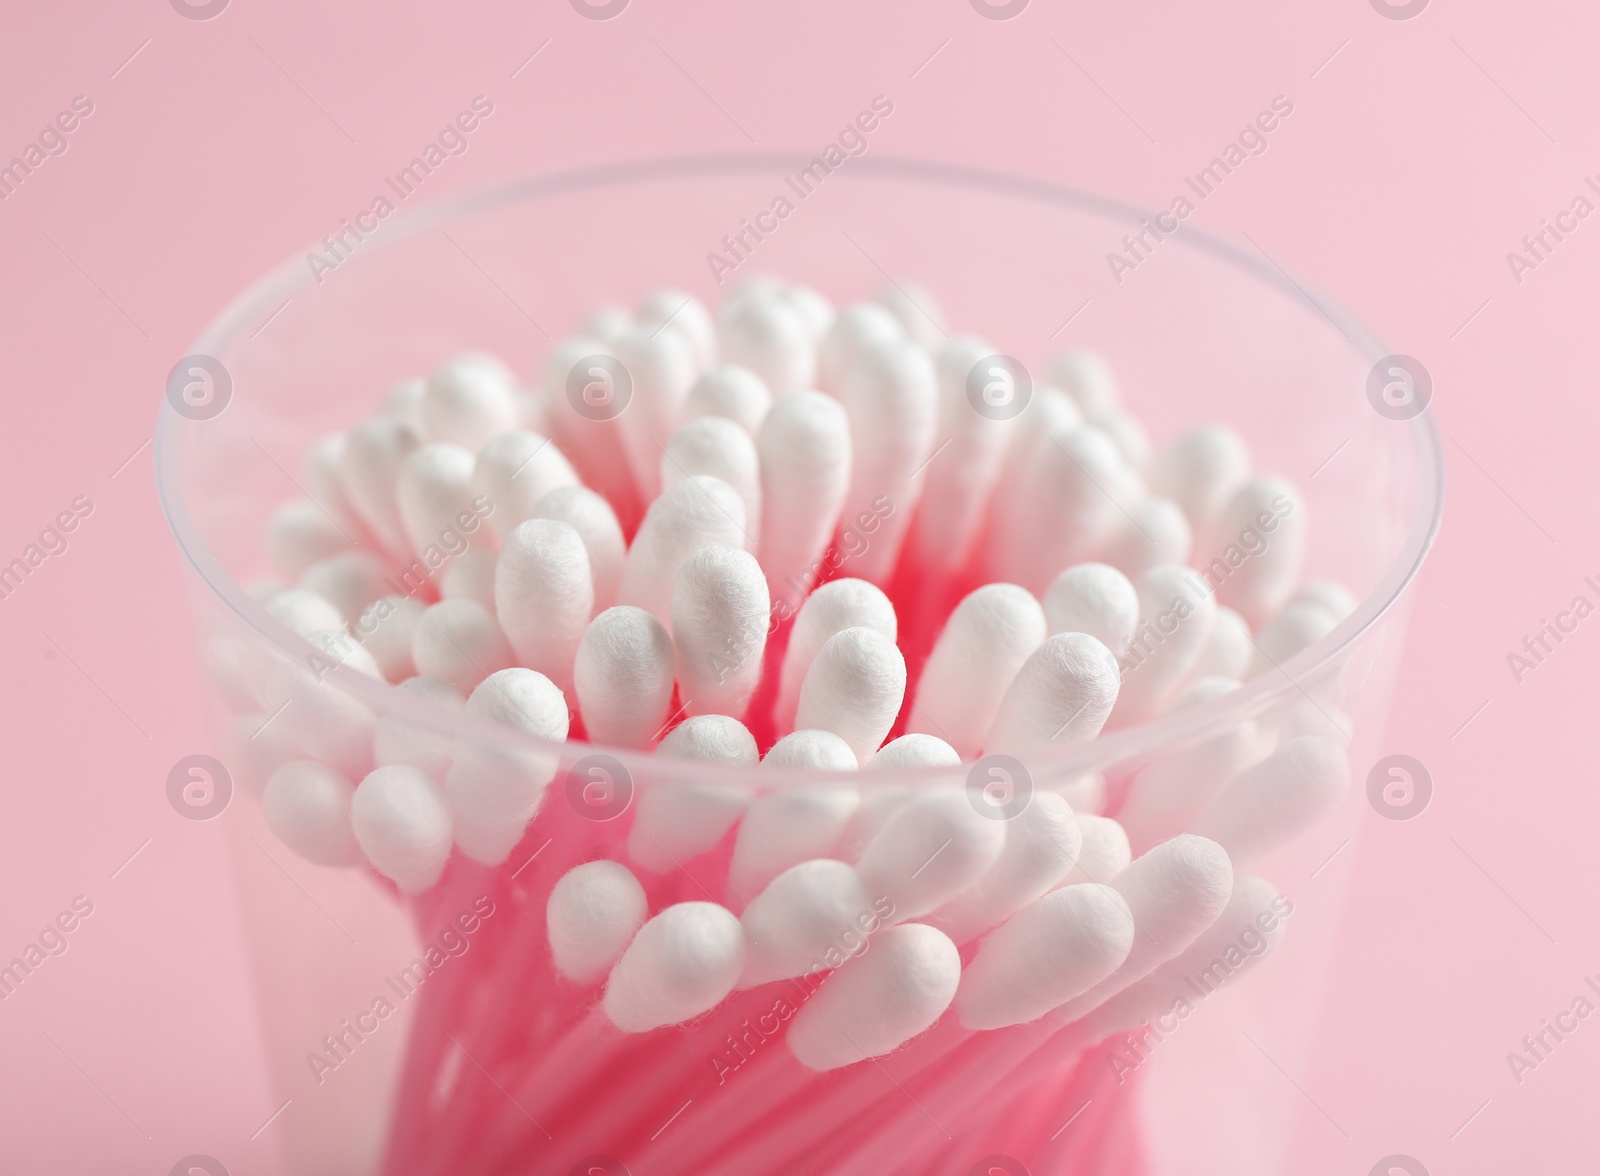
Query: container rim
[{"x": 268, "y": 293}]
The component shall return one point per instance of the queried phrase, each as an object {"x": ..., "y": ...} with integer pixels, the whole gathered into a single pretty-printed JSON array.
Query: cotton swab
[
  {"x": 783, "y": 829},
  {"x": 917, "y": 311},
  {"x": 676, "y": 821},
  {"x": 1154, "y": 531},
  {"x": 680, "y": 964},
  {"x": 323, "y": 483},
  {"x": 1085, "y": 376},
  {"x": 663, "y": 364},
  {"x": 544, "y": 595},
  {"x": 1067, "y": 508},
  {"x": 716, "y": 739},
  {"x": 890, "y": 393},
  {"x": 596, "y": 523},
  {"x": 772, "y": 340},
  {"x": 397, "y": 740},
  {"x": 436, "y": 500},
  {"x": 461, "y": 642},
  {"x": 514, "y": 471},
  {"x": 1332, "y": 597},
  {"x": 1042, "y": 843},
  {"x": 854, "y": 688},
  {"x": 402, "y": 821},
  {"x": 1175, "y": 616},
  {"x": 1128, "y": 435},
  {"x": 809, "y": 910},
  {"x": 1256, "y": 548},
  {"x": 369, "y": 471},
  {"x": 731, "y": 392},
  {"x": 929, "y": 851},
  {"x": 623, "y": 676},
  {"x": 836, "y": 606},
  {"x": 304, "y": 612},
  {"x": 1064, "y": 693},
  {"x": 468, "y": 401},
  {"x": 1229, "y": 650},
  {"x": 805, "y": 450},
  {"x": 307, "y": 807},
  {"x": 1104, "y": 851},
  {"x": 685, "y": 313},
  {"x": 1096, "y": 599},
  {"x": 1297, "y": 626},
  {"x": 853, "y": 330},
  {"x": 350, "y": 580},
  {"x": 1201, "y": 471},
  {"x": 719, "y": 448},
  {"x": 607, "y": 323},
  {"x": 1053, "y": 950},
  {"x": 470, "y": 576},
  {"x": 593, "y": 913},
  {"x": 878, "y": 1001},
  {"x": 720, "y": 611},
  {"x": 300, "y": 534},
  {"x": 586, "y": 429},
  {"x": 692, "y": 514},
  {"x": 982, "y": 647},
  {"x": 1282, "y": 795}
]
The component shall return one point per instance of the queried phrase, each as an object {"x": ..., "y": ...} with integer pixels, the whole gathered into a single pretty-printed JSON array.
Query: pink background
[{"x": 1416, "y": 158}]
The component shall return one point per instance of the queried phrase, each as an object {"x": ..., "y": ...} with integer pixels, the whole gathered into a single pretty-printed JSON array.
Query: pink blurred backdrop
[{"x": 1420, "y": 152}]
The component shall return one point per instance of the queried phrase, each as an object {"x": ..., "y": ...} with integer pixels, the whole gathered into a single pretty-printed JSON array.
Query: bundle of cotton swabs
[{"x": 723, "y": 539}]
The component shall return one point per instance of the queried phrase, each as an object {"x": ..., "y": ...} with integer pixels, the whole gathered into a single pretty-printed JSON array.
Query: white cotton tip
[
  {"x": 469, "y": 400},
  {"x": 1201, "y": 471},
  {"x": 593, "y": 914},
  {"x": 1096, "y": 599},
  {"x": 369, "y": 470},
  {"x": 1175, "y": 892},
  {"x": 772, "y": 340},
  {"x": 891, "y": 396},
  {"x": 1087, "y": 378},
  {"x": 623, "y": 677},
  {"x": 1153, "y": 532},
  {"x": 338, "y": 647},
  {"x": 402, "y": 821},
  {"x": 437, "y": 505},
  {"x": 1329, "y": 595},
  {"x": 1042, "y": 843},
  {"x": 514, "y": 471},
  {"x": 322, "y": 480},
  {"x": 714, "y": 739},
  {"x": 878, "y": 1001},
  {"x": 915, "y": 308},
  {"x": 815, "y": 310},
  {"x": 386, "y": 629},
  {"x": 1128, "y": 435},
  {"x": 731, "y": 392},
  {"x": 262, "y": 591},
  {"x": 853, "y": 330},
  {"x": 720, "y": 613},
  {"x": 1256, "y": 548},
  {"x": 783, "y": 829},
  {"x": 461, "y": 642},
  {"x": 915, "y": 750},
  {"x": 544, "y": 596},
  {"x": 400, "y": 740},
  {"x": 495, "y": 790},
  {"x": 1295, "y": 627},
  {"x": 805, "y": 454},
  {"x": 1175, "y": 616},
  {"x": 1056, "y": 948},
  {"x": 588, "y": 432},
  {"x": 304, "y": 612},
  {"x": 1168, "y": 792},
  {"x": 300, "y": 534},
  {"x": 596, "y": 523},
  {"x": 984, "y": 644},
  {"x": 1246, "y": 931},
  {"x": 854, "y": 688},
  {"x": 663, "y": 365},
  {"x": 685, "y": 313},
  {"x": 929, "y": 851},
  {"x": 1103, "y": 853},
  {"x": 1085, "y": 793},
  {"x": 806, "y": 911},
  {"x": 821, "y": 751},
  {"x": 307, "y": 807},
  {"x": 323, "y": 721},
  {"x": 682, "y": 963},
  {"x": 1229, "y": 649},
  {"x": 719, "y": 448},
  {"x": 836, "y": 606},
  {"x": 689, "y": 515},
  {"x": 1062, "y": 694},
  {"x": 673, "y": 823},
  {"x": 403, "y": 403},
  {"x": 470, "y": 576},
  {"x": 253, "y": 748},
  {"x": 959, "y": 481},
  {"x": 351, "y": 581},
  {"x": 607, "y": 322},
  {"x": 1063, "y": 512},
  {"x": 1280, "y": 797}
]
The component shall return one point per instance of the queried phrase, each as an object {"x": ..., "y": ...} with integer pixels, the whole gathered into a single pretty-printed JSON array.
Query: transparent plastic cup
[{"x": 429, "y": 1033}]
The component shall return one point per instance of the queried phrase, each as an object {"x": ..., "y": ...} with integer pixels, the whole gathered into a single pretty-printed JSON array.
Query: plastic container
[{"x": 483, "y": 1060}]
